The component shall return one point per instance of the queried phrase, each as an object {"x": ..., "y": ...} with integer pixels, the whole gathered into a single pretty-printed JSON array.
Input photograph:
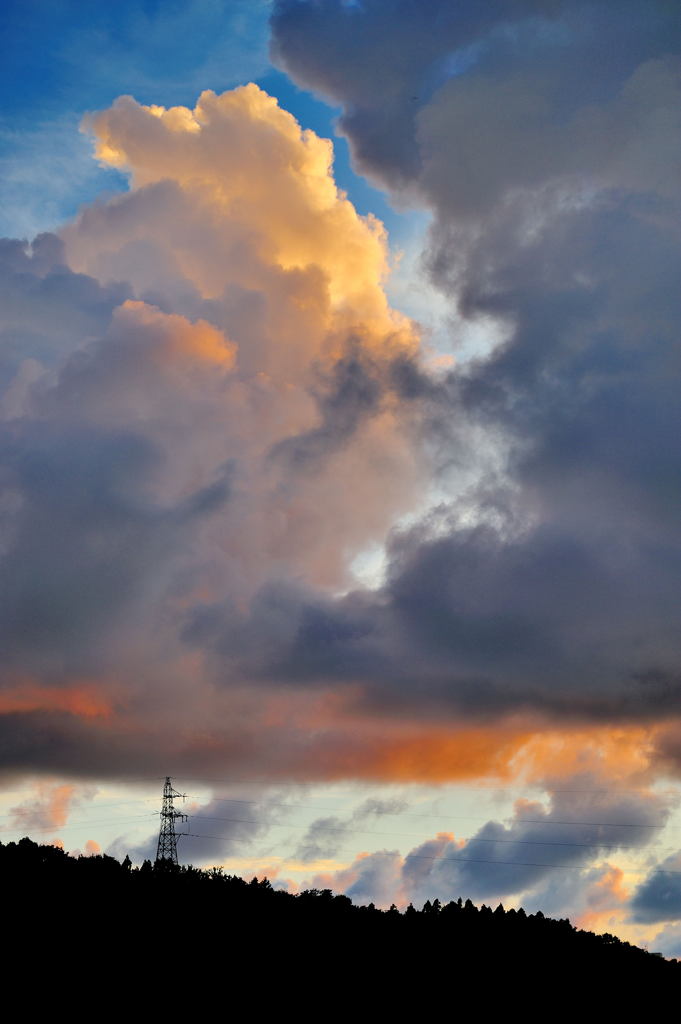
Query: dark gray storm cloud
[
  {"x": 229, "y": 823},
  {"x": 383, "y": 61},
  {"x": 468, "y": 101},
  {"x": 542, "y": 137},
  {"x": 326, "y": 836},
  {"x": 84, "y": 542},
  {"x": 84, "y": 539},
  {"x": 45, "y": 309},
  {"x": 658, "y": 898},
  {"x": 225, "y": 826},
  {"x": 352, "y": 394},
  {"x": 668, "y": 941}
]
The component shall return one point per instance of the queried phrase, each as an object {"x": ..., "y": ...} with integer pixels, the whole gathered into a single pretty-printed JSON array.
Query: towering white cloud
[{"x": 200, "y": 399}]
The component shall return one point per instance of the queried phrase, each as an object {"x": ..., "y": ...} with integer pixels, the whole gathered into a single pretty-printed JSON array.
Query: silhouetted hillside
[{"x": 93, "y": 911}]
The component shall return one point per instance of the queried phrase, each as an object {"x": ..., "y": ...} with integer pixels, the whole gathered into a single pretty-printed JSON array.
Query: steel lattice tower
[{"x": 167, "y": 836}]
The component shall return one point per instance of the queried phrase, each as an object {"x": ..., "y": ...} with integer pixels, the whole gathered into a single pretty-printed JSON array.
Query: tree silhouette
[{"x": 206, "y": 911}]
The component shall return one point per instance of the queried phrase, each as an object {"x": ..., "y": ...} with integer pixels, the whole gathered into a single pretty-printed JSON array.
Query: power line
[
  {"x": 403, "y": 814},
  {"x": 453, "y": 817},
  {"x": 346, "y": 830},
  {"x": 440, "y": 815},
  {"x": 77, "y": 824},
  {"x": 119, "y": 803},
  {"x": 509, "y": 790},
  {"x": 463, "y": 784},
  {"x": 412, "y": 835},
  {"x": 469, "y": 860},
  {"x": 139, "y": 819}
]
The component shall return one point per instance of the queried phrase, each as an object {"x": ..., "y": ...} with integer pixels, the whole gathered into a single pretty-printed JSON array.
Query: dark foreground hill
[{"x": 107, "y": 931}]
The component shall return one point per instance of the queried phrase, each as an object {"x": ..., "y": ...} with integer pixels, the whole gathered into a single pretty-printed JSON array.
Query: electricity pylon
[{"x": 167, "y": 836}]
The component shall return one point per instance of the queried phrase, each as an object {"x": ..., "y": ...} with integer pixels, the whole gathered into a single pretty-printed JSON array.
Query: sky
[{"x": 340, "y": 454}]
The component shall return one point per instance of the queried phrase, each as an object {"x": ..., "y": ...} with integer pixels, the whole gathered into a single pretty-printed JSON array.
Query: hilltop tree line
[{"x": 198, "y": 916}]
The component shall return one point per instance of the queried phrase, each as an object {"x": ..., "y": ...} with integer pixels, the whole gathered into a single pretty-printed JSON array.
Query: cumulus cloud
[
  {"x": 200, "y": 400},
  {"x": 371, "y": 878},
  {"x": 49, "y": 806},
  {"x": 234, "y": 218},
  {"x": 658, "y": 898},
  {"x": 536, "y": 845},
  {"x": 224, "y": 827},
  {"x": 668, "y": 941},
  {"x": 230, "y": 822},
  {"x": 325, "y": 836},
  {"x": 547, "y": 854},
  {"x": 594, "y": 899}
]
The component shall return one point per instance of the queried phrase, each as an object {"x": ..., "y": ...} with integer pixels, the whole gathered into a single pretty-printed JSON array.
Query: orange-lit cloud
[
  {"x": 172, "y": 339},
  {"x": 85, "y": 700},
  {"x": 265, "y": 183},
  {"x": 417, "y": 754},
  {"x": 615, "y": 753},
  {"x": 522, "y": 748},
  {"x": 605, "y": 902},
  {"x": 49, "y": 806},
  {"x": 234, "y": 218}
]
